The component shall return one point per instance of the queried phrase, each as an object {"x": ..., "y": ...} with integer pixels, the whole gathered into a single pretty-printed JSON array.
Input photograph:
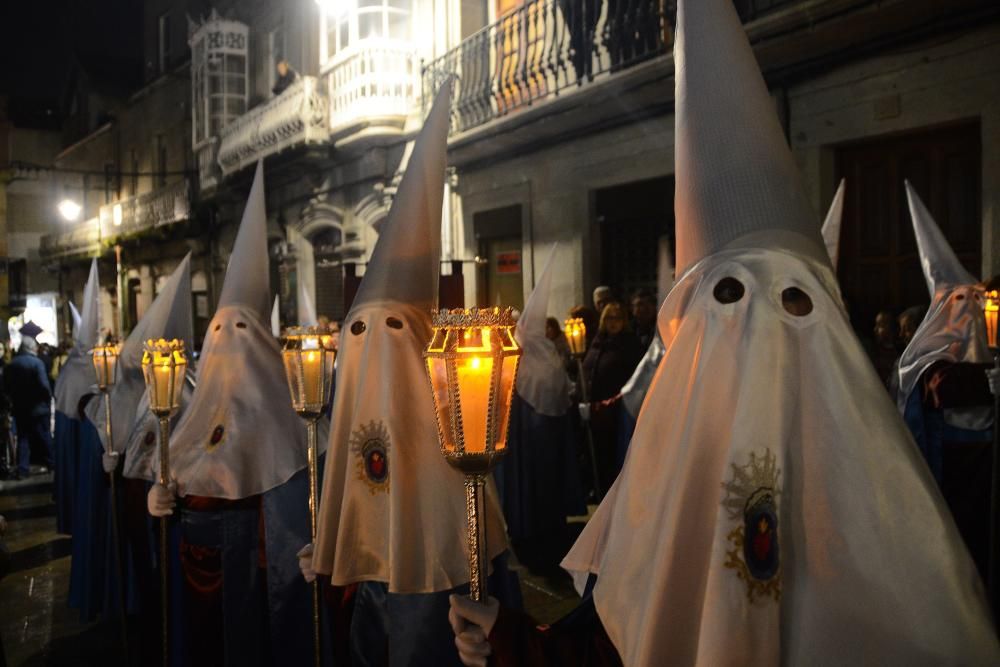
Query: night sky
[{"x": 43, "y": 44}]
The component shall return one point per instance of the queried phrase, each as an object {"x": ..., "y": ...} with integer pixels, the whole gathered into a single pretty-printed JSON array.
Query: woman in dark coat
[{"x": 610, "y": 362}]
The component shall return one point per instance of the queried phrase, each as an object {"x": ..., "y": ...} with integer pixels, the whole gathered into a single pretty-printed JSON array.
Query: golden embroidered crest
[
  {"x": 752, "y": 501},
  {"x": 370, "y": 443}
]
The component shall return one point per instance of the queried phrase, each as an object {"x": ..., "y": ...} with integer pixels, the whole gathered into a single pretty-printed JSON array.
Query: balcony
[
  {"x": 135, "y": 215},
  {"x": 372, "y": 88},
  {"x": 297, "y": 117}
]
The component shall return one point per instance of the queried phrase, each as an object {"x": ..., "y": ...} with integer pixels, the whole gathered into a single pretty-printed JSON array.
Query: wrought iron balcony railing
[
  {"x": 163, "y": 206},
  {"x": 373, "y": 81},
  {"x": 298, "y": 116},
  {"x": 83, "y": 239},
  {"x": 543, "y": 48}
]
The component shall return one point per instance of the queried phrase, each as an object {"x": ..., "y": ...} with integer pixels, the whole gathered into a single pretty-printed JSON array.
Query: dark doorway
[
  {"x": 632, "y": 218},
  {"x": 879, "y": 265},
  {"x": 329, "y": 273},
  {"x": 501, "y": 278}
]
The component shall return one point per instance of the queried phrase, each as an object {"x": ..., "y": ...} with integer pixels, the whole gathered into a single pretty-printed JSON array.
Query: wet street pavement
[{"x": 38, "y": 628}]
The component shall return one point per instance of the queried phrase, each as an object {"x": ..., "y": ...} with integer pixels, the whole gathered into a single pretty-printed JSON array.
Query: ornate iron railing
[
  {"x": 163, "y": 206},
  {"x": 297, "y": 116},
  {"x": 543, "y": 48},
  {"x": 374, "y": 79},
  {"x": 83, "y": 239}
]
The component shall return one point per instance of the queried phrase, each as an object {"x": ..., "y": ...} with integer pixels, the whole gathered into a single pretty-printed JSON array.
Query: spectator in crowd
[
  {"x": 286, "y": 77},
  {"x": 908, "y": 322},
  {"x": 602, "y": 297},
  {"x": 27, "y": 385},
  {"x": 554, "y": 332},
  {"x": 643, "y": 309},
  {"x": 885, "y": 353},
  {"x": 610, "y": 362}
]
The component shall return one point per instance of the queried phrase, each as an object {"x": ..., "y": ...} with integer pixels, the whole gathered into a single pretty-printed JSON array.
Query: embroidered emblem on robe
[
  {"x": 370, "y": 443},
  {"x": 752, "y": 503}
]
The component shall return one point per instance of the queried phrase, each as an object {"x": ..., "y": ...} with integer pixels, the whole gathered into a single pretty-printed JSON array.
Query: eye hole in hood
[
  {"x": 728, "y": 290},
  {"x": 796, "y": 301},
  {"x": 394, "y": 323},
  {"x": 358, "y": 327}
]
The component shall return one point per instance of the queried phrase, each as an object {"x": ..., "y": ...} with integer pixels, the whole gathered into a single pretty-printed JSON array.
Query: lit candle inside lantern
[
  {"x": 576, "y": 335},
  {"x": 474, "y": 377},
  {"x": 990, "y": 311}
]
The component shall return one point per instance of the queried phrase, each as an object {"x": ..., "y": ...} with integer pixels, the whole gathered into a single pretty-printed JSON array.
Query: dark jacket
[
  {"x": 27, "y": 385},
  {"x": 283, "y": 82},
  {"x": 610, "y": 362}
]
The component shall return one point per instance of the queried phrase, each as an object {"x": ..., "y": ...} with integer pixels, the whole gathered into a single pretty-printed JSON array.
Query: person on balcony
[
  {"x": 773, "y": 509},
  {"x": 286, "y": 76}
]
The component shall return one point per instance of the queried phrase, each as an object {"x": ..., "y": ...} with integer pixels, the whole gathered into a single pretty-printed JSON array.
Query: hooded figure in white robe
[
  {"x": 831, "y": 226},
  {"x": 773, "y": 508},
  {"x": 538, "y": 477},
  {"x": 78, "y": 442},
  {"x": 238, "y": 455},
  {"x": 944, "y": 393},
  {"x": 392, "y": 511}
]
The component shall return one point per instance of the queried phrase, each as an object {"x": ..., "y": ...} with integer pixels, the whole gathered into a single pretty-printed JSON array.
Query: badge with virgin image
[
  {"x": 752, "y": 503},
  {"x": 370, "y": 444}
]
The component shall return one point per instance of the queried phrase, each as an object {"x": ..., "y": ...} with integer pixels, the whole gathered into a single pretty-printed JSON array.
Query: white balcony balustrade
[{"x": 296, "y": 117}]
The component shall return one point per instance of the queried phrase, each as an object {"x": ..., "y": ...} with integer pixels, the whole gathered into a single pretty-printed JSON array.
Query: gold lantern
[
  {"x": 105, "y": 360},
  {"x": 164, "y": 365},
  {"x": 308, "y": 354},
  {"x": 990, "y": 308},
  {"x": 576, "y": 336},
  {"x": 472, "y": 362}
]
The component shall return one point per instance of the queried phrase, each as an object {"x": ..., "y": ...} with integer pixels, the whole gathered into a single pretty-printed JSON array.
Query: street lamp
[
  {"x": 70, "y": 210},
  {"x": 576, "y": 336},
  {"x": 105, "y": 360},
  {"x": 308, "y": 354},
  {"x": 116, "y": 215},
  {"x": 163, "y": 368},
  {"x": 472, "y": 361}
]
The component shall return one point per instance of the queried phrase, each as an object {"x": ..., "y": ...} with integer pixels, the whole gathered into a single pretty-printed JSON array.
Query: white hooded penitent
[
  {"x": 773, "y": 508},
  {"x": 541, "y": 378},
  {"x": 392, "y": 509},
  {"x": 169, "y": 316},
  {"x": 954, "y": 328},
  {"x": 77, "y": 376},
  {"x": 239, "y": 436},
  {"x": 831, "y": 225},
  {"x": 77, "y": 317},
  {"x": 275, "y": 319},
  {"x": 307, "y": 312}
]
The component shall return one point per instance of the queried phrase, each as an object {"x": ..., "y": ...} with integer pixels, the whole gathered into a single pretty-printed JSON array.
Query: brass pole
[
  {"x": 475, "y": 510},
  {"x": 164, "y": 564},
  {"x": 585, "y": 395},
  {"x": 313, "y": 505},
  {"x": 115, "y": 543}
]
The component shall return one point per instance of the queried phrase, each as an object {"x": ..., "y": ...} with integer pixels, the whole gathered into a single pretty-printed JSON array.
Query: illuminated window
[{"x": 350, "y": 22}]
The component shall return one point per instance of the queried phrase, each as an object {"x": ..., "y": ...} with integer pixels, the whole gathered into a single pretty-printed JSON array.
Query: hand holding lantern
[
  {"x": 308, "y": 354},
  {"x": 163, "y": 367},
  {"x": 472, "y": 362}
]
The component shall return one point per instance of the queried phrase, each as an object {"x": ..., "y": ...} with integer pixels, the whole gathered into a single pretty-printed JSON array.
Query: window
[
  {"x": 275, "y": 51},
  {"x": 161, "y": 160},
  {"x": 218, "y": 77},
  {"x": 163, "y": 41},
  {"x": 365, "y": 20}
]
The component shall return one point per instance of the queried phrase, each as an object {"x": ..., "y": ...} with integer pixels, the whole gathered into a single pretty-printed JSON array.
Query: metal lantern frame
[
  {"x": 991, "y": 306},
  {"x": 454, "y": 342},
  {"x": 467, "y": 337},
  {"x": 296, "y": 343},
  {"x": 168, "y": 354},
  {"x": 105, "y": 360},
  {"x": 309, "y": 400},
  {"x": 576, "y": 335}
]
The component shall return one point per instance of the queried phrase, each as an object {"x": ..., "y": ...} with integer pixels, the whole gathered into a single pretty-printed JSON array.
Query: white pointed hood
[
  {"x": 954, "y": 328},
  {"x": 307, "y": 311},
  {"x": 77, "y": 376},
  {"x": 392, "y": 509},
  {"x": 239, "y": 436},
  {"x": 831, "y": 225},
  {"x": 634, "y": 391},
  {"x": 773, "y": 508},
  {"x": 275, "y": 319},
  {"x": 77, "y": 318},
  {"x": 169, "y": 316},
  {"x": 541, "y": 378}
]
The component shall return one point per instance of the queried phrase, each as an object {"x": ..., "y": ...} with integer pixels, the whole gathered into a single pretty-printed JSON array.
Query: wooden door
[{"x": 879, "y": 266}]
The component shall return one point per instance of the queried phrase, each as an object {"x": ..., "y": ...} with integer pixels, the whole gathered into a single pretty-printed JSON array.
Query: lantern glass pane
[
  {"x": 178, "y": 386},
  {"x": 474, "y": 375},
  {"x": 508, "y": 371},
  {"x": 312, "y": 376},
  {"x": 291, "y": 360},
  {"x": 437, "y": 370}
]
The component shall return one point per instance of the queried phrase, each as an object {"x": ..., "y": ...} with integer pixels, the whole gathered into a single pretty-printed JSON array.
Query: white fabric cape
[
  {"x": 541, "y": 378},
  {"x": 752, "y": 408},
  {"x": 77, "y": 377},
  {"x": 142, "y": 444}
]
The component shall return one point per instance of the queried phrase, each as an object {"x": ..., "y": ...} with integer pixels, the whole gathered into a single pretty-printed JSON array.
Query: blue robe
[
  {"x": 412, "y": 630},
  {"x": 539, "y": 484},
  {"x": 65, "y": 462}
]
